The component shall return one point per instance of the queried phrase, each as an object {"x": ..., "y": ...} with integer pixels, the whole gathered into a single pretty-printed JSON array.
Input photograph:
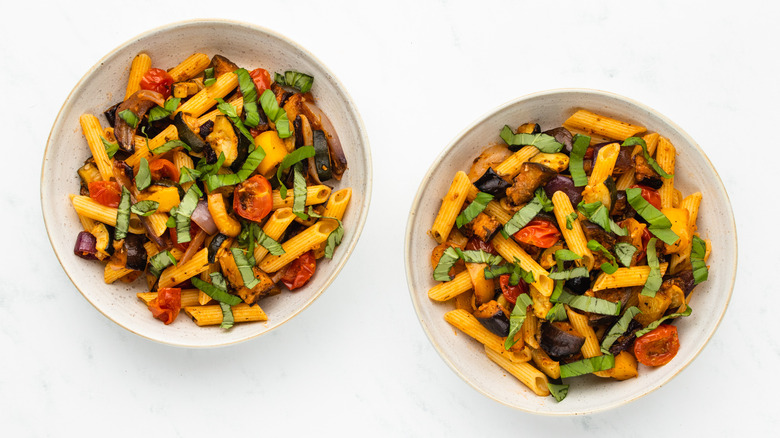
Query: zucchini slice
[
  {"x": 187, "y": 135},
  {"x": 322, "y": 156}
]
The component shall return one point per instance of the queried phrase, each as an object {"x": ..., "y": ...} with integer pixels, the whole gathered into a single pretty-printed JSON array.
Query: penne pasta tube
[
  {"x": 112, "y": 273},
  {"x": 493, "y": 208},
  {"x": 625, "y": 277},
  {"x": 207, "y": 97},
  {"x": 299, "y": 244},
  {"x": 138, "y": 68},
  {"x": 545, "y": 364},
  {"x": 314, "y": 195},
  {"x": 212, "y": 315},
  {"x": 190, "y": 67},
  {"x": 144, "y": 149},
  {"x": 574, "y": 237},
  {"x": 94, "y": 134},
  {"x": 337, "y": 203},
  {"x": 189, "y": 297},
  {"x": 591, "y": 347},
  {"x": 174, "y": 275},
  {"x": 237, "y": 102},
  {"x": 274, "y": 228},
  {"x": 605, "y": 164},
  {"x": 604, "y": 126},
  {"x": 665, "y": 156},
  {"x": 92, "y": 209},
  {"x": 450, "y": 207},
  {"x": 450, "y": 289},
  {"x": 510, "y": 167},
  {"x": 468, "y": 324},
  {"x": 526, "y": 373},
  {"x": 510, "y": 251}
]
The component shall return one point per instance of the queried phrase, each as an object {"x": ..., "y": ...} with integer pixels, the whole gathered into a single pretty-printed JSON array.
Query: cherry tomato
[
  {"x": 512, "y": 292},
  {"x": 540, "y": 233},
  {"x": 650, "y": 195},
  {"x": 475, "y": 243},
  {"x": 162, "y": 168},
  {"x": 253, "y": 198},
  {"x": 261, "y": 78},
  {"x": 194, "y": 228},
  {"x": 588, "y": 153},
  {"x": 157, "y": 80},
  {"x": 657, "y": 347},
  {"x": 300, "y": 271},
  {"x": 107, "y": 193},
  {"x": 167, "y": 305},
  {"x": 646, "y": 236}
]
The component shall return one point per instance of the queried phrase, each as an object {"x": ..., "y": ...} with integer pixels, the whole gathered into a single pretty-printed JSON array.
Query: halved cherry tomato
[
  {"x": 650, "y": 195},
  {"x": 162, "y": 168},
  {"x": 107, "y": 193},
  {"x": 157, "y": 80},
  {"x": 167, "y": 305},
  {"x": 646, "y": 236},
  {"x": 261, "y": 78},
  {"x": 538, "y": 232},
  {"x": 512, "y": 292},
  {"x": 194, "y": 228},
  {"x": 253, "y": 198},
  {"x": 475, "y": 243},
  {"x": 657, "y": 347},
  {"x": 300, "y": 271}
]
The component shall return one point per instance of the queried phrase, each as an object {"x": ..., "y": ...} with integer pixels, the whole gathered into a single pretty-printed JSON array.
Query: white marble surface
[{"x": 357, "y": 361}]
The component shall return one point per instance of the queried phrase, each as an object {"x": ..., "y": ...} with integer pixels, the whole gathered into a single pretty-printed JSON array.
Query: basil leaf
[
  {"x": 479, "y": 256},
  {"x": 293, "y": 157},
  {"x": 698, "y": 250},
  {"x": 517, "y": 318},
  {"x": 218, "y": 281},
  {"x": 145, "y": 208},
  {"x": 299, "y": 192},
  {"x": 248, "y": 90},
  {"x": 122, "y": 215},
  {"x": 227, "y": 316},
  {"x": 519, "y": 273},
  {"x": 559, "y": 391},
  {"x": 111, "y": 148},
  {"x": 130, "y": 118},
  {"x": 476, "y": 207},
  {"x": 587, "y": 366},
  {"x": 565, "y": 255},
  {"x": 273, "y": 247},
  {"x": 217, "y": 293},
  {"x": 625, "y": 252},
  {"x": 580, "y": 271},
  {"x": 496, "y": 271},
  {"x": 587, "y": 304},
  {"x": 144, "y": 176},
  {"x": 608, "y": 268},
  {"x": 631, "y": 141},
  {"x": 570, "y": 218},
  {"x": 244, "y": 268},
  {"x": 543, "y": 142},
  {"x": 580, "y": 145},
  {"x": 160, "y": 261},
  {"x": 160, "y": 112},
  {"x": 214, "y": 182},
  {"x": 230, "y": 112},
  {"x": 654, "y": 325},
  {"x": 275, "y": 113},
  {"x": 208, "y": 77},
  {"x": 170, "y": 145},
  {"x": 659, "y": 224},
  {"x": 557, "y": 291},
  {"x": 188, "y": 175},
  {"x": 446, "y": 262},
  {"x": 335, "y": 236},
  {"x": 654, "y": 278},
  {"x": 301, "y": 81},
  {"x": 619, "y": 328},
  {"x": 557, "y": 313},
  {"x": 183, "y": 213},
  {"x": 598, "y": 213},
  {"x": 525, "y": 214},
  {"x": 171, "y": 222}
]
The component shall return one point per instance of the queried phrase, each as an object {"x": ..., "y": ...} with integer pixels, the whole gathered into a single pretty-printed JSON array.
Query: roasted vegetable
[
  {"x": 186, "y": 133},
  {"x": 645, "y": 174},
  {"x": 223, "y": 139},
  {"x": 491, "y": 182},
  {"x": 557, "y": 162},
  {"x": 483, "y": 226},
  {"x": 494, "y": 318},
  {"x": 578, "y": 285},
  {"x": 213, "y": 248},
  {"x": 104, "y": 240},
  {"x": 135, "y": 251},
  {"x": 138, "y": 103},
  {"x": 624, "y": 342},
  {"x": 559, "y": 340},
  {"x": 322, "y": 156},
  {"x": 531, "y": 177},
  {"x": 222, "y": 65},
  {"x": 562, "y": 136},
  {"x": 561, "y": 183},
  {"x": 529, "y": 128},
  {"x": 242, "y": 149},
  {"x": 263, "y": 287},
  {"x": 85, "y": 246}
]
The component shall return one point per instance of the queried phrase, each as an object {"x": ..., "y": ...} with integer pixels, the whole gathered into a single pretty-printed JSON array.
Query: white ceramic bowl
[
  {"x": 250, "y": 47},
  {"x": 586, "y": 394}
]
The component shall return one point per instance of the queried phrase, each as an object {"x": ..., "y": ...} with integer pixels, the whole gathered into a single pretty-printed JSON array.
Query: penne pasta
[
  {"x": 317, "y": 194},
  {"x": 468, "y": 324},
  {"x": 526, "y": 373},
  {"x": 450, "y": 207},
  {"x": 665, "y": 158},
  {"x": 138, "y": 68},
  {"x": 605, "y": 126},
  {"x": 207, "y": 97},
  {"x": 575, "y": 237},
  {"x": 190, "y": 67},
  {"x": 94, "y": 134},
  {"x": 299, "y": 244},
  {"x": 212, "y": 315},
  {"x": 625, "y": 277}
]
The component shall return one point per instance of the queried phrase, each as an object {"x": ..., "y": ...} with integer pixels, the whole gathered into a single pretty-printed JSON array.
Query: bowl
[
  {"x": 103, "y": 85},
  {"x": 588, "y": 393}
]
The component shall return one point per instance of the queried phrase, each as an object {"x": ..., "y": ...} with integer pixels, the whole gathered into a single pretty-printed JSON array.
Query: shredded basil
[
  {"x": 301, "y": 81},
  {"x": 293, "y": 157},
  {"x": 171, "y": 222},
  {"x": 214, "y": 182},
  {"x": 227, "y": 316},
  {"x": 208, "y": 77},
  {"x": 479, "y": 256},
  {"x": 230, "y": 111},
  {"x": 660, "y": 225},
  {"x": 517, "y": 318},
  {"x": 160, "y": 261},
  {"x": 580, "y": 145},
  {"x": 580, "y": 271},
  {"x": 244, "y": 268},
  {"x": 631, "y": 141},
  {"x": 565, "y": 255},
  {"x": 446, "y": 262},
  {"x": 335, "y": 236},
  {"x": 543, "y": 142},
  {"x": 299, "y": 192},
  {"x": 586, "y": 303},
  {"x": 161, "y": 112},
  {"x": 476, "y": 207},
  {"x": 273, "y": 247},
  {"x": 122, "y": 215},
  {"x": 130, "y": 118},
  {"x": 216, "y": 290},
  {"x": 625, "y": 252},
  {"x": 145, "y": 208},
  {"x": 587, "y": 366},
  {"x": 248, "y": 90},
  {"x": 557, "y": 313},
  {"x": 698, "y": 251},
  {"x": 528, "y": 212},
  {"x": 275, "y": 113},
  {"x": 608, "y": 268},
  {"x": 570, "y": 218},
  {"x": 654, "y": 325},
  {"x": 558, "y": 391},
  {"x": 654, "y": 278},
  {"x": 187, "y": 175},
  {"x": 111, "y": 148},
  {"x": 170, "y": 145},
  {"x": 144, "y": 177},
  {"x": 183, "y": 213},
  {"x": 598, "y": 213},
  {"x": 619, "y": 328}
]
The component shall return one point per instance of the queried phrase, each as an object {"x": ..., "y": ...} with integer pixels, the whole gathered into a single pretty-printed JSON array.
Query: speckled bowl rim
[
  {"x": 348, "y": 102},
  {"x": 447, "y": 150}
]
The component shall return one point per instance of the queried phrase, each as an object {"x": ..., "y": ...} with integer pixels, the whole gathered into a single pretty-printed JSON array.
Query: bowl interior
[
  {"x": 694, "y": 172},
  {"x": 249, "y": 47}
]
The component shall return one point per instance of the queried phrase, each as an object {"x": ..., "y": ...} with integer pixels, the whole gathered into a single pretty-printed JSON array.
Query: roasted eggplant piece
[
  {"x": 620, "y": 206},
  {"x": 110, "y": 114},
  {"x": 263, "y": 288},
  {"x": 322, "y": 156},
  {"x": 138, "y": 103},
  {"x": 494, "y": 318},
  {"x": 242, "y": 150},
  {"x": 561, "y": 183},
  {"x": 562, "y": 136},
  {"x": 223, "y": 140},
  {"x": 483, "y": 226},
  {"x": 135, "y": 251},
  {"x": 490, "y": 182},
  {"x": 578, "y": 285},
  {"x": 320, "y": 121},
  {"x": 186, "y": 134},
  {"x": 619, "y": 295},
  {"x": 624, "y": 342},
  {"x": 559, "y": 340},
  {"x": 531, "y": 177},
  {"x": 595, "y": 232},
  {"x": 645, "y": 174},
  {"x": 85, "y": 246},
  {"x": 213, "y": 248},
  {"x": 222, "y": 65},
  {"x": 205, "y": 128},
  {"x": 529, "y": 128},
  {"x": 683, "y": 279}
]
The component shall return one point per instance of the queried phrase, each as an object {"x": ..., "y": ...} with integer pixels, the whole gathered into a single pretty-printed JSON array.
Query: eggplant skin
[
  {"x": 559, "y": 340},
  {"x": 493, "y": 317},
  {"x": 490, "y": 182},
  {"x": 136, "y": 253}
]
